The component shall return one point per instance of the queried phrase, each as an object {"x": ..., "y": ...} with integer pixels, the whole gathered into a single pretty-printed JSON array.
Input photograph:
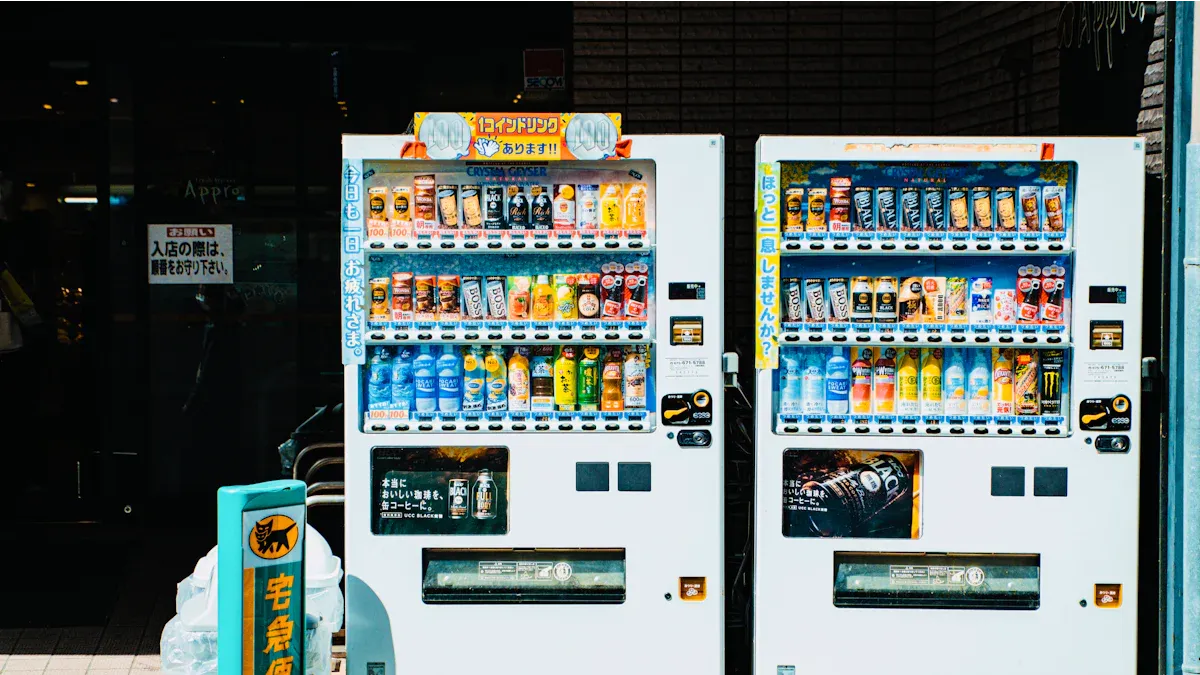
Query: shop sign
[
  {"x": 190, "y": 254},
  {"x": 519, "y": 136},
  {"x": 766, "y": 267}
]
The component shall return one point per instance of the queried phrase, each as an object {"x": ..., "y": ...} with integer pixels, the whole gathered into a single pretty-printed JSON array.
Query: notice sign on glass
[
  {"x": 190, "y": 254},
  {"x": 439, "y": 490}
]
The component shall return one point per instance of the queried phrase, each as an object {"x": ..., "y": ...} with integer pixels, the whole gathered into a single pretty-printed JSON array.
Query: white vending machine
[
  {"x": 532, "y": 341},
  {"x": 948, "y": 357}
]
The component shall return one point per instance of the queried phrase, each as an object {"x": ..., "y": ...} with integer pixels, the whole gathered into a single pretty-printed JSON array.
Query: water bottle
[
  {"x": 954, "y": 383},
  {"x": 402, "y": 379},
  {"x": 812, "y": 394},
  {"x": 449, "y": 379},
  {"x": 790, "y": 377},
  {"x": 473, "y": 378},
  {"x": 379, "y": 380},
  {"x": 979, "y": 383},
  {"x": 837, "y": 383},
  {"x": 425, "y": 381}
]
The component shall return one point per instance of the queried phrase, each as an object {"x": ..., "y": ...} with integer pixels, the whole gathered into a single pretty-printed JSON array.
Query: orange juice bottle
[
  {"x": 635, "y": 206},
  {"x": 543, "y": 299}
]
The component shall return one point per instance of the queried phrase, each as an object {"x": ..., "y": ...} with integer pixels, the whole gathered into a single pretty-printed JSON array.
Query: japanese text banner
[
  {"x": 519, "y": 136},
  {"x": 766, "y": 266}
]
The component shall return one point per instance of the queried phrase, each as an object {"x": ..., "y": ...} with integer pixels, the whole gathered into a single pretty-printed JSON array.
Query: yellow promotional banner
[
  {"x": 766, "y": 266},
  {"x": 519, "y": 136}
]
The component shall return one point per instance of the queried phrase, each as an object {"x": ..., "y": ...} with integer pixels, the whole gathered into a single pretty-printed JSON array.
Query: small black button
[
  {"x": 471, "y": 244},
  {"x": 447, "y": 244},
  {"x": 588, "y": 244},
  {"x": 910, "y": 338},
  {"x": 934, "y": 338},
  {"x": 888, "y": 247},
  {"x": 958, "y": 338},
  {"x": 494, "y": 244},
  {"x": 957, "y": 430},
  {"x": 1006, "y": 339},
  {"x": 1004, "y": 431},
  {"x": 816, "y": 338},
  {"x": 541, "y": 336},
  {"x": 401, "y": 427},
  {"x": 636, "y": 426},
  {"x": 840, "y": 246},
  {"x": 448, "y": 427},
  {"x": 1054, "y": 339},
  {"x": 541, "y": 244},
  {"x": 518, "y": 244},
  {"x": 816, "y": 246},
  {"x": 1052, "y": 431},
  {"x": 564, "y": 244},
  {"x": 472, "y": 427},
  {"x": 983, "y": 247},
  {"x": 424, "y": 245},
  {"x": 908, "y": 430},
  {"x": 518, "y": 427},
  {"x": 565, "y": 427},
  {"x": 447, "y": 336},
  {"x": 1056, "y": 247},
  {"x": 933, "y": 430},
  {"x": 791, "y": 337},
  {"x": 425, "y": 427},
  {"x": 814, "y": 429},
  {"x": 591, "y": 476},
  {"x": 981, "y": 431},
  {"x": 495, "y": 427},
  {"x": 1007, "y": 247},
  {"x": 633, "y": 476},
  {"x": 864, "y": 246},
  {"x": 589, "y": 336},
  {"x": 1029, "y": 339},
  {"x": 611, "y": 244},
  {"x": 935, "y": 247},
  {"x": 377, "y": 244},
  {"x": 635, "y": 336},
  {"x": 862, "y": 430},
  {"x": 378, "y": 427},
  {"x": 612, "y": 427},
  {"x": 400, "y": 245},
  {"x": 863, "y": 338},
  {"x": 612, "y": 336},
  {"x": 1008, "y": 481},
  {"x": 838, "y": 430},
  {"x": 565, "y": 336},
  {"x": 960, "y": 247},
  {"x": 1031, "y": 247},
  {"x": 636, "y": 243},
  {"x": 377, "y": 336},
  {"x": 840, "y": 337},
  {"x": 589, "y": 427},
  {"x": 541, "y": 427},
  {"x": 401, "y": 336},
  {"x": 885, "y": 430},
  {"x": 1049, "y": 481},
  {"x": 474, "y": 336},
  {"x": 1028, "y": 431},
  {"x": 912, "y": 246},
  {"x": 792, "y": 246},
  {"x": 887, "y": 337},
  {"x": 518, "y": 336}
]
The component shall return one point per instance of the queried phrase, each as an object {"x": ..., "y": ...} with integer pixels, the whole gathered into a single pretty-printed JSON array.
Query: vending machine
[
  {"x": 532, "y": 339},
  {"x": 948, "y": 357}
]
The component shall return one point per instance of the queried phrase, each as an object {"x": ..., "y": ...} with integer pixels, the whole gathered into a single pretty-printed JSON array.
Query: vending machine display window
[
  {"x": 523, "y": 576},
  {"x": 937, "y": 580},
  {"x": 439, "y": 490},
  {"x": 851, "y": 493}
]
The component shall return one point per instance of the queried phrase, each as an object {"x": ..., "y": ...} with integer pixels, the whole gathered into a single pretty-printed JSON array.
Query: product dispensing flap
[
  {"x": 937, "y": 580},
  {"x": 520, "y": 576}
]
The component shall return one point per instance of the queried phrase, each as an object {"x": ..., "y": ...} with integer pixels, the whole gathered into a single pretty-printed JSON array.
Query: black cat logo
[{"x": 273, "y": 537}]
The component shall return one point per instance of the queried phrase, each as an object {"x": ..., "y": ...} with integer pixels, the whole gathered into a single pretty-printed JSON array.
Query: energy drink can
[
  {"x": 541, "y": 208},
  {"x": 793, "y": 301},
  {"x": 814, "y": 295},
  {"x": 886, "y": 213},
  {"x": 885, "y": 300},
  {"x": 862, "y": 305},
  {"x": 458, "y": 503},
  {"x": 471, "y": 208},
  {"x": 960, "y": 213},
  {"x": 956, "y": 300},
  {"x": 494, "y": 208},
  {"x": 449, "y": 308},
  {"x": 864, "y": 209},
  {"x": 518, "y": 208},
  {"x": 912, "y": 298},
  {"x": 816, "y": 211},
  {"x": 400, "y": 224},
  {"x": 447, "y": 200},
  {"x": 518, "y": 298},
  {"x": 793, "y": 202},
  {"x": 472, "y": 299},
  {"x": 1031, "y": 208},
  {"x": 1051, "y": 381},
  {"x": 1029, "y": 295},
  {"x": 1006, "y": 210},
  {"x": 566, "y": 307},
  {"x": 377, "y": 203},
  {"x": 910, "y": 206},
  {"x": 379, "y": 300},
  {"x": 839, "y": 205},
  {"x": 839, "y": 299},
  {"x": 981, "y": 207},
  {"x": 935, "y": 209},
  {"x": 1004, "y": 306},
  {"x": 935, "y": 299},
  {"x": 589, "y": 296},
  {"x": 424, "y": 201},
  {"x": 587, "y": 206},
  {"x": 1025, "y": 383},
  {"x": 1055, "y": 196},
  {"x": 564, "y": 207},
  {"x": 612, "y": 291},
  {"x": 402, "y": 296},
  {"x": 635, "y": 292},
  {"x": 425, "y": 297},
  {"x": 981, "y": 300},
  {"x": 497, "y": 305}
]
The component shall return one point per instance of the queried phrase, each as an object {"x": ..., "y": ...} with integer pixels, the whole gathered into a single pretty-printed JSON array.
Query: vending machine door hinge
[{"x": 1150, "y": 373}]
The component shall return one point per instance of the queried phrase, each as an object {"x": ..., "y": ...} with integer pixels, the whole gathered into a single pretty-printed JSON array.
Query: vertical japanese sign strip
[
  {"x": 766, "y": 266},
  {"x": 273, "y": 590},
  {"x": 351, "y": 270}
]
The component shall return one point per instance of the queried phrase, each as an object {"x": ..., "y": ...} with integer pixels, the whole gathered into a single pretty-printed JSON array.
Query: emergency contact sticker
[
  {"x": 1107, "y": 372},
  {"x": 680, "y": 367}
]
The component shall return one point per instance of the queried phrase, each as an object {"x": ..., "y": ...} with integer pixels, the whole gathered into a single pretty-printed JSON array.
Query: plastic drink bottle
[
  {"x": 379, "y": 380},
  {"x": 565, "y": 378},
  {"x": 931, "y": 382},
  {"x": 541, "y": 380},
  {"x": 791, "y": 377},
  {"x": 518, "y": 380},
  {"x": 979, "y": 383},
  {"x": 1002, "y": 382},
  {"x": 402, "y": 379},
  {"x": 611, "y": 398},
  {"x": 543, "y": 299},
  {"x": 837, "y": 383},
  {"x": 907, "y": 402},
  {"x": 497, "y": 378},
  {"x": 954, "y": 383},
  {"x": 474, "y": 378},
  {"x": 425, "y": 381},
  {"x": 635, "y": 379},
  {"x": 885, "y": 382},
  {"x": 812, "y": 394},
  {"x": 589, "y": 379},
  {"x": 860, "y": 383}
]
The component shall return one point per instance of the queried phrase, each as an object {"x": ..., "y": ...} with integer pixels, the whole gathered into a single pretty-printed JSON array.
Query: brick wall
[{"x": 1151, "y": 117}]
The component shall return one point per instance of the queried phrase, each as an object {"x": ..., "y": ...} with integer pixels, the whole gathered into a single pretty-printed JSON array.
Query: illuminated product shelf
[
  {"x": 800, "y": 246},
  {"x": 532, "y": 243},
  {"x": 389, "y": 421},
  {"x": 942, "y": 335},
  {"x": 879, "y": 425},
  {"x": 512, "y": 333}
]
